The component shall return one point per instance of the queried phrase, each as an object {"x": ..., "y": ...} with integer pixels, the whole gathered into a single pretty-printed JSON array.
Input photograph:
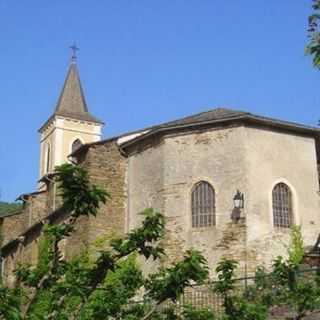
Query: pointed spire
[{"x": 72, "y": 102}]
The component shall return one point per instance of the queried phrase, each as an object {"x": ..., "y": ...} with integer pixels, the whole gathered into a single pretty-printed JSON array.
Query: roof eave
[
  {"x": 46, "y": 123},
  {"x": 177, "y": 127},
  {"x": 244, "y": 118},
  {"x": 25, "y": 196}
]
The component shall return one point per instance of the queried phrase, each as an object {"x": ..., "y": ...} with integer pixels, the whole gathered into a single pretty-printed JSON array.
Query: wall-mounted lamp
[{"x": 238, "y": 200}]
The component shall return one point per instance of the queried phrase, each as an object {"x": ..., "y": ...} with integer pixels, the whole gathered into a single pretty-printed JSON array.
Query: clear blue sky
[{"x": 143, "y": 62}]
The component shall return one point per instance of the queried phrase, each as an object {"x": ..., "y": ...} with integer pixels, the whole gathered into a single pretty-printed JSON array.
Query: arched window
[
  {"x": 76, "y": 145},
  {"x": 203, "y": 205},
  {"x": 282, "y": 206},
  {"x": 48, "y": 158}
]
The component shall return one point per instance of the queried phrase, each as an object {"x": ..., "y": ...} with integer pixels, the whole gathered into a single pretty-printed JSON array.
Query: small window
[
  {"x": 203, "y": 205},
  {"x": 76, "y": 145},
  {"x": 282, "y": 206},
  {"x": 48, "y": 158}
]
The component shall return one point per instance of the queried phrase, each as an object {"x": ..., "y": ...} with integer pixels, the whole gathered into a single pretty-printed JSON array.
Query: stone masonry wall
[
  {"x": 14, "y": 225},
  {"x": 33, "y": 210},
  {"x": 107, "y": 169}
]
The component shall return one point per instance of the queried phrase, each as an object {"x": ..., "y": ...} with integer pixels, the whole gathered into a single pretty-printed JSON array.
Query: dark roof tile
[{"x": 72, "y": 103}]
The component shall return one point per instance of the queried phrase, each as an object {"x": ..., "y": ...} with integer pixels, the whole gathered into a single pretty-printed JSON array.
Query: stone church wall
[{"x": 107, "y": 169}]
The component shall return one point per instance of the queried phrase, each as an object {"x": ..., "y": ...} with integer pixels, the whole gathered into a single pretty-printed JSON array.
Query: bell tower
[{"x": 71, "y": 124}]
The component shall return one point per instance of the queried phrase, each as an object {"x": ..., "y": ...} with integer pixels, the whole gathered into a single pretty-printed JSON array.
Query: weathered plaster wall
[
  {"x": 145, "y": 180},
  {"x": 273, "y": 157},
  {"x": 216, "y": 156},
  {"x": 162, "y": 176}
]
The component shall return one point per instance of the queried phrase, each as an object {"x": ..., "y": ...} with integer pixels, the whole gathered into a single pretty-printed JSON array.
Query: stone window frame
[
  {"x": 294, "y": 203},
  {"x": 213, "y": 216}
]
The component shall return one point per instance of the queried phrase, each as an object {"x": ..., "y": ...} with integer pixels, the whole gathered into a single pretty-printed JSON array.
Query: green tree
[
  {"x": 288, "y": 284},
  {"x": 7, "y": 208},
  {"x": 313, "y": 47},
  {"x": 296, "y": 249},
  {"x": 105, "y": 287},
  {"x": 237, "y": 303}
]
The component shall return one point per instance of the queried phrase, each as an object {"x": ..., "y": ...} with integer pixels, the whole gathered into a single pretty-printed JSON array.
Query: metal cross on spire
[{"x": 74, "y": 50}]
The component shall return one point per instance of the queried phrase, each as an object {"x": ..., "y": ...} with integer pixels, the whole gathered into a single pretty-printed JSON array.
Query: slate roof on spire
[{"x": 72, "y": 103}]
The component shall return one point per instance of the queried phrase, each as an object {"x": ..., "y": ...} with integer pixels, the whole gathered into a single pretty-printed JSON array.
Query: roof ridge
[
  {"x": 215, "y": 110},
  {"x": 72, "y": 86}
]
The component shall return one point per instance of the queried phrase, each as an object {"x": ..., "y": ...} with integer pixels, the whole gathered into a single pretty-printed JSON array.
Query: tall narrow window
[
  {"x": 203, "y": 205},
  {"x": 282, "y": 206},
  {"x": 48, "y": 158},
  {"x": 76, "y": 145}
]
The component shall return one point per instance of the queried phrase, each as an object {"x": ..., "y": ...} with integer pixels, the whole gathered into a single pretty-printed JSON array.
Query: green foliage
[
  {"x": 293, "y": 288},
  {"x": 190, "y": 313},
  {"x": 169, "y": 283},
  {"x": 313, "y": 47},
  {"x": 7, "y": 208},
  {"x": 41, "y": 306},
  {"x": 225, "y": 270},
  {"x": 78, "y": 195},
  {"x": 296, "y": 249},
  {"x": 45, "y": 243},
  {"x": 106, "y": 286},
  {"x": 114, "y": 294},
  {"x": 142, "y": 238},
  {"x": 237, "y": 304},
  {"x": 169, "y": 313},
  {"x": 10, "y": 301}
]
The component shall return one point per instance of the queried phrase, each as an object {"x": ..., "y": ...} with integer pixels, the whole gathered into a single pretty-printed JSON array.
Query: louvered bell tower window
[
  {"x": 282, "y": 206},
  {"x": 203, "y": 205}
]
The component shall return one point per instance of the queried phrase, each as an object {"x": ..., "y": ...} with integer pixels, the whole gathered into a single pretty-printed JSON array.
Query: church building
[{"x": 230, "y": 183}]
